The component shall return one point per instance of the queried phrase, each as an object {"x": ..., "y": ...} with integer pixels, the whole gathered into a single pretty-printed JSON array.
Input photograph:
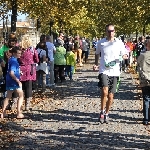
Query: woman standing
[{"x": 28, "y": 61}]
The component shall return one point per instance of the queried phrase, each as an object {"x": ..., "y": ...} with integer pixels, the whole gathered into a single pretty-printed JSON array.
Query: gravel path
[{"x": 68, "y": 118}]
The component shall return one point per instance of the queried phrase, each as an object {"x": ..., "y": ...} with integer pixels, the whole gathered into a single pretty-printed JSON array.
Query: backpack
[
  {"x": 139, "y": 48},
  {"x": 40, "y": 59}
]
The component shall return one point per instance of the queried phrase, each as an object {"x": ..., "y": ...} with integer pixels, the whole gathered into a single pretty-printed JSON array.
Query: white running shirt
[{"x": 110, "y": 56}]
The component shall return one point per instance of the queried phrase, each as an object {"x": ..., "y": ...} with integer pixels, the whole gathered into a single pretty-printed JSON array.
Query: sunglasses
[{"x": 110, "y": 31}]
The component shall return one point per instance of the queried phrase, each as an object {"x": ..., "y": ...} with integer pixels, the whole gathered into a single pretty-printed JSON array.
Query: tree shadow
[
  {"x": 126, "y": 95},
  {"x": 78, "y": 138},
  {"x": 64, "y": 116},
  {"x": 87, "y": 87},
  {"x": 78, "y": 88},
  {"x": 78, "y": 117},
  {"x": 132, "y": 111},
  {"x": 82, "y": 70}
]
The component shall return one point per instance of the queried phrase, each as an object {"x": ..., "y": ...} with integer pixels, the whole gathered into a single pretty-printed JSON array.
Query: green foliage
[{"x": 88, "y": 17}]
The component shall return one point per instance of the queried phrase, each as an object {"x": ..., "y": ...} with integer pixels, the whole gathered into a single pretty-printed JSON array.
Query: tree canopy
[{"x": 88, "y": 17}]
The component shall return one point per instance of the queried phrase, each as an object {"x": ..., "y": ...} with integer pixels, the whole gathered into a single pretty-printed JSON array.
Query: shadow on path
[{"x": 43, "y": 139}]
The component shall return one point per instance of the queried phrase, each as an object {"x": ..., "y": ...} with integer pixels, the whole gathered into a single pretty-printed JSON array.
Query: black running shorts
[{"x": 108, "y": 81}]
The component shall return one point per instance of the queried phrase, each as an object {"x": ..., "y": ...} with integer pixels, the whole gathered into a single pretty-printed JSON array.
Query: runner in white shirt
[{"x": 111, "y": 49}]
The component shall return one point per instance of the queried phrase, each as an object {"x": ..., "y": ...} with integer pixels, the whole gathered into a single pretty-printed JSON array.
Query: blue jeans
[
  {"x": 41, "y": 79},
  {"x": 69, "y": 71},
  {"x": 50, "y": 75}
]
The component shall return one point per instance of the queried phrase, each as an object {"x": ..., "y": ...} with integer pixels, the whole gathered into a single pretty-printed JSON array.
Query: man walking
[
  {"x": 51, "y": 50},
  {"x": 111, "y": 49}
]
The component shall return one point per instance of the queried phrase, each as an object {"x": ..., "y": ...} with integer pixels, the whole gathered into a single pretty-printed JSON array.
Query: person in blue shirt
[{"x": 13, "y": 82}]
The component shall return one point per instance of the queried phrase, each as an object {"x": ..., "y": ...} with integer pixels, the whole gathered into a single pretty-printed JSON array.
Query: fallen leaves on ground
[
  {"x": 5, "y": 137},
  {"x": 39, "y": 97},
  {"x": 132, "y": 70}
]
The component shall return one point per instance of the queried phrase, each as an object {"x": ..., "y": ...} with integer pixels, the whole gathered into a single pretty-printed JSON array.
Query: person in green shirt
[
  {"x": 59, "y": 62},
  {"x": 7, "y": 46},
  {"x": 3, "y": 49},
  {"x": 70, "y": 63}
]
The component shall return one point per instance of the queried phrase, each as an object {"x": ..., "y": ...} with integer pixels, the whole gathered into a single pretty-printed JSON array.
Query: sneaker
[
  {"x": 101, "y": 117},
  {"x": 106, "y": 118}
]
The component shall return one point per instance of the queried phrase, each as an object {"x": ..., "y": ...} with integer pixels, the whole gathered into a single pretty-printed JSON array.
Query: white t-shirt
[
  {"x": 51, "y": 49},
  {"x": 110, "y": 56}
]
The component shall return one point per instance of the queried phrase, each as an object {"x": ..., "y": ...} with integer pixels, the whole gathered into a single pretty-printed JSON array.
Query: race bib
[{"x": 110, "y": 64}]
